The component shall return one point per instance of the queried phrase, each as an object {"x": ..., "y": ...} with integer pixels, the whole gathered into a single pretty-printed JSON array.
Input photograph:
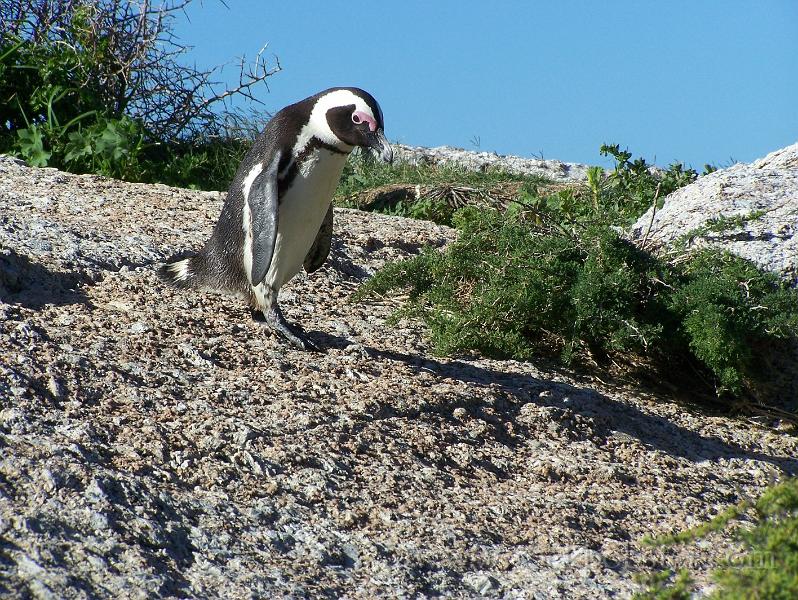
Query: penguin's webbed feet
[{"x": 274, "y": 320}]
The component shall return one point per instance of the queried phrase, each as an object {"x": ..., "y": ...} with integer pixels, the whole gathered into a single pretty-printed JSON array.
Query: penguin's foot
[{"x": 274, "y": 320}]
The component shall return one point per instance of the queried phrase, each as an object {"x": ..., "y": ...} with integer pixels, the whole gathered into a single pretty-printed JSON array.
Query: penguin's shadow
[
  {"x": 32, "y": 285},
  {"x": 328, "y": 341},
  {"x": 324, "y": 340}
]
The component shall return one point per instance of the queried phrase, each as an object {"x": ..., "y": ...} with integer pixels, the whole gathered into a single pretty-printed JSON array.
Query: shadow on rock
[
  {"x": 33, "y": 285},
  {"x": 159, "y": 532},
  {"x": 343, "y": 263},
  {"x": 607, "y": 415},
  {"x": 328, "y": 341}
]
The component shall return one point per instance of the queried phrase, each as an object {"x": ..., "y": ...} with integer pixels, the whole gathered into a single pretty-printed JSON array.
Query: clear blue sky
[{"x": 692, "y": 80}]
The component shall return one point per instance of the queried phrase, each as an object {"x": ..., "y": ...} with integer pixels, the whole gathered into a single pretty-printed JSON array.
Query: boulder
[
  {"x": 158, "y": 443},
  {"x": 750, "y": 210}
]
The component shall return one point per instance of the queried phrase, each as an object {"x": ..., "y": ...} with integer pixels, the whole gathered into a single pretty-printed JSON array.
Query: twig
[
  {"x": 653, "y": 214},
  {"x": 771, "y": 411}
]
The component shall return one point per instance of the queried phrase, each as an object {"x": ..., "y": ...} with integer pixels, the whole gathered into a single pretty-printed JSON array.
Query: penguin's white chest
[{"x": 301, "y": 212}]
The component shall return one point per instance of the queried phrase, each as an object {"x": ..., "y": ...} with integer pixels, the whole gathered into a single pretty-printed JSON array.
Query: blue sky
[{"x": 696, "y": 81}]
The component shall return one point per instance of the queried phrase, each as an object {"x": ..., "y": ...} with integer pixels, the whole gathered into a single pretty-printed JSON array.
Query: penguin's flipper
[
  {"x": 320, "y": 249},
  {"x": 262, "y": 200}
]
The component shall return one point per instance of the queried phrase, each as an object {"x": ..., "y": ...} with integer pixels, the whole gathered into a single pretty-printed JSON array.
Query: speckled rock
[
  {"x": 160, "y": 444},
  {"x": 762, "y": 195}
]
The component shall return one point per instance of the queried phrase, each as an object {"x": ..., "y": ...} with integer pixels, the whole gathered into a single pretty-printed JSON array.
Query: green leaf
[
  {"x": 79, "y": 145},
  {"x": 112, "y": 142},
  {"x": 31, "y": 145}
]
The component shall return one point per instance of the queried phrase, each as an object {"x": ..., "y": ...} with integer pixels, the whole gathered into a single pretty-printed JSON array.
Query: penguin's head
[{"x": 350, "y": 117}]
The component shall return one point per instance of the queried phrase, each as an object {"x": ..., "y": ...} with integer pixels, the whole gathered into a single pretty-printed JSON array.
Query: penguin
[{"x": 278, "y": 216}]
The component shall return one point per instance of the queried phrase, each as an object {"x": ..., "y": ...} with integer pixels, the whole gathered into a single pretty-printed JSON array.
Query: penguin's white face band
[
  {"x": 345, "y": 119},
  {"x": 319, "y": 126}
]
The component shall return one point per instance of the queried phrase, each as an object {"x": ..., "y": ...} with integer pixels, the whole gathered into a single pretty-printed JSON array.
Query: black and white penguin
[{"x": 278, "y": 214}]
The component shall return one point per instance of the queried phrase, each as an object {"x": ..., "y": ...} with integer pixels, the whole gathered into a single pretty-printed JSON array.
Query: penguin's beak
[{"x": 380, "y": 145}]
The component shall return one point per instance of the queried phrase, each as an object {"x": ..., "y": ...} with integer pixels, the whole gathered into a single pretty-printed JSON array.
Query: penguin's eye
[{"x": 356, "y": 119}]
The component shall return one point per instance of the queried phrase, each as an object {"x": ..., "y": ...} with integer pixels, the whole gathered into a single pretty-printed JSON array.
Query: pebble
[
  {"x": 482, "y": 584},
  {"x": 460, "y": 413}
]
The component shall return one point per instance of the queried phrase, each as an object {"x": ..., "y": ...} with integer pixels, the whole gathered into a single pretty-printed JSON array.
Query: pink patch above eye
[{"x": 360, "y": 117}]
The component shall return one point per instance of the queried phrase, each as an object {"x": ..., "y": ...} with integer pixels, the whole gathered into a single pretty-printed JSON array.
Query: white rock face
[
  {"x": 482, "y": 161},
  {"x": 764, "y": 194}
]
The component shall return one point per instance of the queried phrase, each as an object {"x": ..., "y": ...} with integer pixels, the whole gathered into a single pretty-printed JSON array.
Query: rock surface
[
  {"x": 481, "y": 161},
  {"x": 155, "y": 443},
  {"x": 758, "y": 202}
]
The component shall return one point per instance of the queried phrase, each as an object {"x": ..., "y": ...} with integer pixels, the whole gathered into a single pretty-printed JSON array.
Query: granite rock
[
  {"x": 758, "y": 202},
  {"x": 555, "y": 170},
  {"x": 160, "y": 444}
]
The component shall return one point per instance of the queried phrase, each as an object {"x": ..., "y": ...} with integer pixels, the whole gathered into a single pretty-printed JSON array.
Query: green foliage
[
  {"x": 634, "y": 184},
  {"x": 51, "y": 128},
  {"x": 37, "y": 81},
  {"x": 725, "y": 305},
  {"x": 425, "y": 208},
  {"x": 717, "y": 523},
  {"x": 31, "y": 144},
  {"x": 768, "y": 565},
  {"x": 83, "y": 87},
  {"x": 207, "y": 164},
  {"x": 105, "y": 146},
  {"x": 363, "y": 174},
  {"x": 665, "y": 585},
  {"x": 552, "y": 276},
  {"x": 480, "y": 294},
  {"x": 721, "y": 224}
]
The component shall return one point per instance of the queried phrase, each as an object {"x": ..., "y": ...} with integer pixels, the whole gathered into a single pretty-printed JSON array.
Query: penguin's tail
[{"x": 184, "y": 271}]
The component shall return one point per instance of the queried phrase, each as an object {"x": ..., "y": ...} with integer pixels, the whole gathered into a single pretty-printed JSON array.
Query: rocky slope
[{"x": 155, "y": 443}]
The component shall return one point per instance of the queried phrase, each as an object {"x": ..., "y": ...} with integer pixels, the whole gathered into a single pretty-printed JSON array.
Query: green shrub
[
  {"x": 362, "y": 173},
  {"x": 768, "y": 564},
  {"x": 635, "y": 184},
  {"x": 727, "y": 307},
  {"x": 439, "y": 189},
  {"x": 616, "y": 198},
  {"x": 207, "y": 164},
  {"x": 552, "y": 276},
  {"x": 38, "y": 80},
  {"x": 660, "y": 587},
  {"x": 96, "y": 87}
]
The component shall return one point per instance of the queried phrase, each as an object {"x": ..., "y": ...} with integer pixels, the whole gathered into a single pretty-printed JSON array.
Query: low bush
[
  {"x": 767, "y": 567},
  {"x": 363, "y": 173},
  {"x": 424, "y": 191},
  {"x": 97, "y": 87},
  {"x": 552, "y": 275}
]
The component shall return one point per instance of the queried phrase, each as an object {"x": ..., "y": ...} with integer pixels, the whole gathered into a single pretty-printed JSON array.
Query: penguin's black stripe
[
  {"x": 285, "y": 161},
  {"x": 316, "y": 144},
  {"x": 285, "y": 183},
  {"x": 293, "y": 165}
]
